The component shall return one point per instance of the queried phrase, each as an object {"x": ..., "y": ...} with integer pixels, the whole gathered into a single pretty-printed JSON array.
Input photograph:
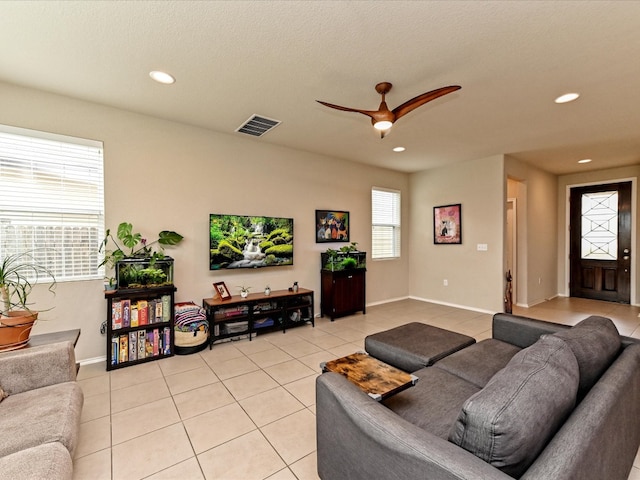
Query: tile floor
[{"x": 245, "y": 409}]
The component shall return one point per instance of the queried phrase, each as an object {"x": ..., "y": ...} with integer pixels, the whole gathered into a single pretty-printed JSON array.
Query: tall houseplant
[{"x": 18, "y": 274}]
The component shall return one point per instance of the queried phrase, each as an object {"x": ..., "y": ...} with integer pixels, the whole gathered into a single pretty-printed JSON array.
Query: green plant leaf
[{"x": 168, "y": 237}]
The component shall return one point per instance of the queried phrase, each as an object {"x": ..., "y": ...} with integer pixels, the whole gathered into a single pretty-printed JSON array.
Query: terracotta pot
[{"x": 15, "y": 329}]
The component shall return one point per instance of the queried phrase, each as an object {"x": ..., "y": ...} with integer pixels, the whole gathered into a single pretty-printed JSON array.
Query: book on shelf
[
  {"x": 134, "y": 315},
  {"x": 126, "y": 313},
  {"x": 166, "y": 308},
  {"x": 143, "y": 312},
  {"x": 166, "y": 349},
  {"x": 115, "y": 346},
  {"x": 124, "y": 349},
  {"x": 231, "y": 312},
  {"x": 158, "y": 311},
  {"x": 151, "y": 311},
  {"x": 156, "y": 342},
  {"x": 141, "y": 344},
  {"x": 133, "y": 347},
  {"x": 149, "y": 344},
  {"x": 116, "y": 315}
]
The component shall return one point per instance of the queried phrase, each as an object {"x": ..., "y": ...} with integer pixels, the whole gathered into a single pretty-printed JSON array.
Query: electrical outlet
[{"x": 445, "y": 282}]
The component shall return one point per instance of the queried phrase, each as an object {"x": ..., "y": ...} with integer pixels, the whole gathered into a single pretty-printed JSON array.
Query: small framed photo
[
  {"x": 332, "y": 226},
  {"x": 222, "y": 291},
  {"x": 447, "y": 224}
]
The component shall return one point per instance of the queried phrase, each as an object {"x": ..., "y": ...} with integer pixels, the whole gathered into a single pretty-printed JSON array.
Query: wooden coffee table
[{"x": 378, "y": 379}]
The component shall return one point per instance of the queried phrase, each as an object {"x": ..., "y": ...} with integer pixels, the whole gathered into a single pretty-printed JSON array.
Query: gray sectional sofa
[
  {"x": 40, "y": 415},
  {"x": 538, "y": 400}
]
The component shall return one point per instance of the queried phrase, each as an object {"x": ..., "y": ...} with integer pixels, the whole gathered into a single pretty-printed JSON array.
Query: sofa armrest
[
  {"x": 359, "y": 438},
  {"x": 522, "y": 331},
  {"x": 36, "y": 367}
]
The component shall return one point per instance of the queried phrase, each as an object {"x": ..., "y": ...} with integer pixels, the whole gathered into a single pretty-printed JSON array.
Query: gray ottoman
[{"x": 415, "y": 345}]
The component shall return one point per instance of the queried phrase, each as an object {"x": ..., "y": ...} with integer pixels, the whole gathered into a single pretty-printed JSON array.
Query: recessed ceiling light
[
  {"x": 399, "y": 149},
  {"x": 162, "y": 77},
  {"x": 584, "y": 160},
  {"x": 567, "y": 97}
]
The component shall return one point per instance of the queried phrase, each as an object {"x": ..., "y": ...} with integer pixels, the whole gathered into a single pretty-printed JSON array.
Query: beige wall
[
  {"x": 475, "y": 277},
  {"x": 601, "y": 176},
  {"x": 537, "y": 231},
  {"x": 164, "y": 175}
]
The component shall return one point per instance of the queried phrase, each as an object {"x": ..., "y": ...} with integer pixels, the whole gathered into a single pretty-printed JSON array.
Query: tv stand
[{"x": 258, "y": 313}]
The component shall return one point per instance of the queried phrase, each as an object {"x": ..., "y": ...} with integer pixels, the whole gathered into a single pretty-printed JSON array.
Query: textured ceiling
[{"x": 275, "y": 58}]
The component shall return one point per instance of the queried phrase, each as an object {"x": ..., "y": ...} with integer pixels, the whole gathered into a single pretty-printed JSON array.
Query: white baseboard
[
  {"x": 89, "y": 361},
  {"x": 390, "y": 300},
  {"x": 463, "y": 307}
]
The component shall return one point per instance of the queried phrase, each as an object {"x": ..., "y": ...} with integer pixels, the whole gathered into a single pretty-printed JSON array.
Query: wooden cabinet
[
  {"x": 257, "y": 313},
  {"x": 139, "y": 325},
  {"x": 343, "y": 292}
]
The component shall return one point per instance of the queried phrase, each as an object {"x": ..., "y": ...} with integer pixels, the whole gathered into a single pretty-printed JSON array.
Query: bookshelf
[
  {"x": 139, "y": 325},
  {"x": 258, "y": 313}
]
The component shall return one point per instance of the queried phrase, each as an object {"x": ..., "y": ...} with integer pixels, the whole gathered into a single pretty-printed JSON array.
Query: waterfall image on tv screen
[{"x": 240, "y": 241}]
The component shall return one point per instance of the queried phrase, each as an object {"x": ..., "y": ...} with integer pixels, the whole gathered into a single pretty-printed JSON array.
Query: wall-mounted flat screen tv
[{"x": 240, "y": 241}]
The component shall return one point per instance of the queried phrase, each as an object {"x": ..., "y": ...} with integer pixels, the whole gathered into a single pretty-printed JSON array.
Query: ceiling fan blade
[
  {"x": 415, "y": 102},
  {"x": 368, "y": 113}
]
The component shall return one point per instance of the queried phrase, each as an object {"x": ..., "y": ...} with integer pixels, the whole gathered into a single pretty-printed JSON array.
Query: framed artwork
[
  {"x": 447, "y": 224},
  {"x": 332, "y": 226},
  {"x": 222, "y": 291}
]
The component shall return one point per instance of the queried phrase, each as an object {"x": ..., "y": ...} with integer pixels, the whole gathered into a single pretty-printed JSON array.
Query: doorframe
[
  {"x": 634, "y": 226},
  {"x": 514, "y": 247}
]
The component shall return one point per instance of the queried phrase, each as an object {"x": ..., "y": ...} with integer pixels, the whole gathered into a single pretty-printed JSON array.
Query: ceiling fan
[{"x": 383, "y": 118}]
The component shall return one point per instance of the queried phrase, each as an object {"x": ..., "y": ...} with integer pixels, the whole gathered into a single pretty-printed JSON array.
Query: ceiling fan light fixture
[{"x": 383, "y": 125}]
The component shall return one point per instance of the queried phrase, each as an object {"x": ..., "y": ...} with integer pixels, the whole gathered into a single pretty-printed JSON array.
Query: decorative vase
[
  {"x": 267, "y": 291},
  {"x": 15, "y": 329},
  {"x": 244, "y": 293}
]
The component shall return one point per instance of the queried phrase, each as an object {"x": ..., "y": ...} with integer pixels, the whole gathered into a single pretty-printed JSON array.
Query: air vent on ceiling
[{"x": 257, "y": 125}]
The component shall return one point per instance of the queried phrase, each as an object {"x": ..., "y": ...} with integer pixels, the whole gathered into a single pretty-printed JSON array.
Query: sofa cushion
[
  {"x": 509, "y": 422},
  {"x": 434, "y": 402},
  {"x": 44, "y": 415},
  {"x": 46, "y": 461},
  {"x": 479, "y": 362},
  {"x": 595, "y": 342}
]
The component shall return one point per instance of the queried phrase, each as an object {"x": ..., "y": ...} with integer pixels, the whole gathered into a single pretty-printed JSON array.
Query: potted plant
[
  {"x": 109, "y": 284},
  {"x": 18, "y": 274},
  {"x": 244, "y": 291},
  {"x": 137, "y": 262}
]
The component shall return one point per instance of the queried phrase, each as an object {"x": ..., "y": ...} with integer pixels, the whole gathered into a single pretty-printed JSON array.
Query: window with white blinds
[
  {"x": 52, "y": 201},
  {"x": 385, "y": 228}
]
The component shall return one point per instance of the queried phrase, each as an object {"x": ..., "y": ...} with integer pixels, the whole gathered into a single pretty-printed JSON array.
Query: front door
[{"x": 600, "y": 242}]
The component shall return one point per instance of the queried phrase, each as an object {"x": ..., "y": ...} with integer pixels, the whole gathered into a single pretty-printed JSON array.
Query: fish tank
[
  {"x": 336, "y": 260},
  {"x": 144, "y": 272}
]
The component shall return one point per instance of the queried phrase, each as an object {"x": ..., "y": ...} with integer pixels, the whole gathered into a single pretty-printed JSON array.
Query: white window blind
[
  {"x": 52, "y": 200},
  {"x": 385, "y": 228}
]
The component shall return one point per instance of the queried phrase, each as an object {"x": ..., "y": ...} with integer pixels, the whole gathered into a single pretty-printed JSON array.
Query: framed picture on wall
[
  {"x": 447, "y": 224},
  {"x": 332, "y": 226}
]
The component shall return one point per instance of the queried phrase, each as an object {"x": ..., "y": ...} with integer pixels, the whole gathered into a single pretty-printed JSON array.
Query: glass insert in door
[{"x": 599, "y": 226}]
